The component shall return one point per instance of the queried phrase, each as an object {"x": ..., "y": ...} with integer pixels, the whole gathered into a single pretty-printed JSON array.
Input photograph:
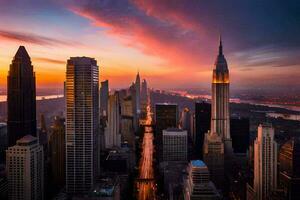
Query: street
[{"x": 146, "y": 189}]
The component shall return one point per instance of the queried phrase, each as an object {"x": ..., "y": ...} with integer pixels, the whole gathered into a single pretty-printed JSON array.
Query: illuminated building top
[{"x": 220, "y": 73}]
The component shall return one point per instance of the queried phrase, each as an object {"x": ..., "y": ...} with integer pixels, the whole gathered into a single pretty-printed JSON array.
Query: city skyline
[
  {"x": 149, "y": 99},
  {"x": 162, "y": 40}
]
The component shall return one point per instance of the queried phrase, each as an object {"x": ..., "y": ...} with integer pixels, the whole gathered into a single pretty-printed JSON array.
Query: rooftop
[
  {"x": 27, "y": 139},
  {"x": 3, "y": 124},
  {"x": 198, "y": 163},
  {"x": 267, "y": 125},
  {"x": 82, "y": 61},
  {"x": 117, "y": 155},
  {"x": 174, "y": 130},
  {"x": 105, "y": 188},
  {"x": 166, "y": 104}
]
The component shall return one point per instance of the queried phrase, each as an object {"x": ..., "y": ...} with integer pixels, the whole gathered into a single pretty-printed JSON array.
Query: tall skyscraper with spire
[
  {"x": 220, "y": 118},
  {"x": 21, "y": 105},
  {"x": 217, "y": 146}
]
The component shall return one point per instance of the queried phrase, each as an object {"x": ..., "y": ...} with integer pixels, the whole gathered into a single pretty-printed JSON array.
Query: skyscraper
[
  {"x": 289, "y": 170},
  {"x": 127, "y": 128},
  {"x": 104, "y": 93},
  {"x": 197, "y": 185},
  {"x": 175, "y": 145},
  {"x": 265, "y": 162},
  {"x": 144, "y": 90},
  {"x": 220, "y": 116},
  {"x": 57, "y": 151},
  {"x": 132, "y": 91},
  {"x": 25, "y": 169},
  {"x": 42, "y": 132},
  {"x": 21, "y": 105},
  {"x": 213, "y": 155},
  {"x": 138, "y": 93},
  {"x": 3, "y": 141},
  {"x": 240, "y": 133},
  {"x": 112, "y": 133},
  {"x": 217, "y": 142},
  {"x": 144, "y": 97},
  {"x": 202, "y": 124},
  {"x": 166, "y": 116},
  {"x": 185, "y": 121},
  {"x": 82, "y": 118}
]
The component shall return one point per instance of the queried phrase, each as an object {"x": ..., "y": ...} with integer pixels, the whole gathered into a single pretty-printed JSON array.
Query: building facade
[
  {"x": 127, "y": 126},
  {"x": 57, "y": 151},
  {"x": 25, "y": 170},
  {"x": 166, "y": 116},
  {"x": 197, "y": 185},
  {"x": 21, "y": 104},
  {"x": 144, "y": 97},
  {"x": 113, "y": 134},
  {"x": 220, "y": 117},
  {"x": 217, "y": 142},
  {"x": 132, "y": 93},
  {"x": 82, "y": 118},
  {"x": 104, "y": 93},
  {"x": 3, "y": 141},
  {"x": 175, "y": 145},
  {"x": 265, "y": 162},
  {"x": 138, "y": 93},
  {"x": 185, "y": 121},
  {"x": 240, "y": 133},
  {"x": 213, "y": 156},
  {"x": 289, "y": 169},
  {"x": 202, "y": 124}
]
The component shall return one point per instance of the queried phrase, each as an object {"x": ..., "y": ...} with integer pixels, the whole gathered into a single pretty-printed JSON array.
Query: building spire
[
  {"x": 138, "y": 73},
  {"x": 137, "y": 78},
  {"x": 220, "y": 46}
]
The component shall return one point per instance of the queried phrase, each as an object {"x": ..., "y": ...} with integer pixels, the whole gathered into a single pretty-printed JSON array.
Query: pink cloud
[{"x": 178, "y": 45}]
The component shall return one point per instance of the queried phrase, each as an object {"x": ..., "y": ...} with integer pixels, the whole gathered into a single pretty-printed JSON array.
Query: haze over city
[{"x": 172, "y": 43}]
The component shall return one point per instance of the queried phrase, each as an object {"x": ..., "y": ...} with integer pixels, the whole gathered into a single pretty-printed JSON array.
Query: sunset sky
[{"x": 173, "y": 43}]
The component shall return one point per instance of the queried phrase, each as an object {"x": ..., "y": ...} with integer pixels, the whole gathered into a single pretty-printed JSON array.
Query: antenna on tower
[{"x": 220, "y": 45}]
